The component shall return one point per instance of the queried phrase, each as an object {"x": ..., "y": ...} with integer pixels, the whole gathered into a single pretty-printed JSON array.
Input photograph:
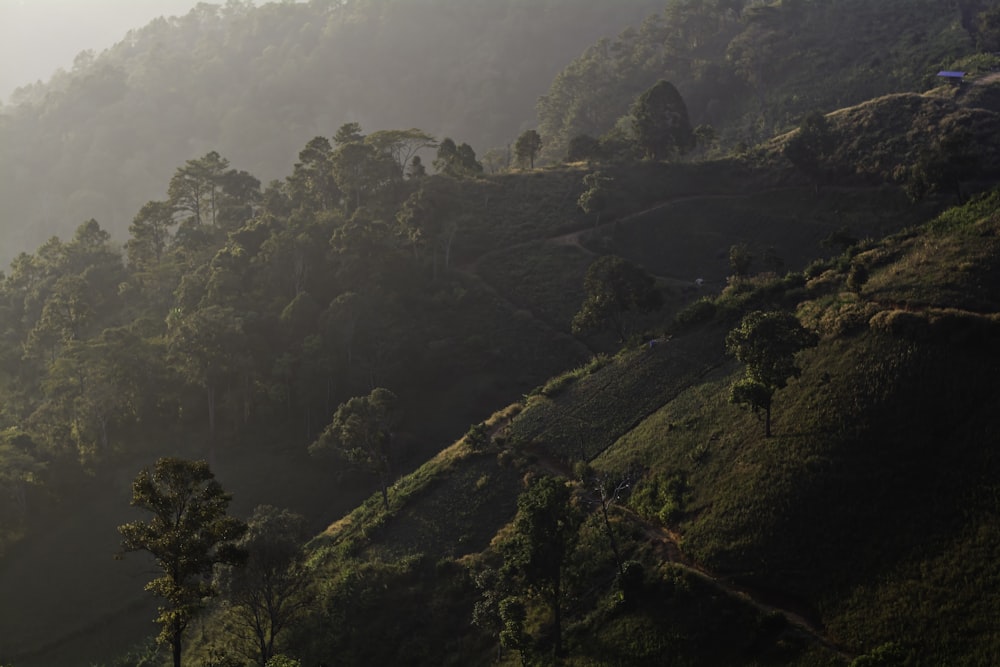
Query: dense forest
[
  {"x": 691, "y": 361},
  {"x": 256, "y": 83}
]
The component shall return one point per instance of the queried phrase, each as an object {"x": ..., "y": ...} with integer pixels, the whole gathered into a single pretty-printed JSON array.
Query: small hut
[{"x": 954, "y": 78}]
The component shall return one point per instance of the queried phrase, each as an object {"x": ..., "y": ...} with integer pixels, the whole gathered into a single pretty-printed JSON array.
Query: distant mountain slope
[
  {"x": 256, "y": 83},
  {"x": 751, "y": 69}
]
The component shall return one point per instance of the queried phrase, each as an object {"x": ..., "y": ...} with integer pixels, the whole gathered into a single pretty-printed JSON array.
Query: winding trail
[{"x": 667, "y": 545}]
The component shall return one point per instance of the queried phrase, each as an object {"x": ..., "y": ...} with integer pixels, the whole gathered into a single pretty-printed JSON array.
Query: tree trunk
[
  {"x": 211, "y": 426},
  {"x": 385, "y": 492},
  {"x": 175, "y": 643},
  {"x": 557, "y": 648},
  {"x": 611, "y": 536}
]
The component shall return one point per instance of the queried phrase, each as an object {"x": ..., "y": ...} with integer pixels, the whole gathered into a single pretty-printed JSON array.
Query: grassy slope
[
  {"x": 874, "y": 504},
  {"x": 735, "y": 480},
  {"x": 868, "y": 513}
]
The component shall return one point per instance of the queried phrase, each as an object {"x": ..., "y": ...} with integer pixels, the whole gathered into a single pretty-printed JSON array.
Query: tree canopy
[
  {"x": 361, "y": 431},
  {"x": 660, "y": 122},
  {"x": 615, "y": 287},
  {"x": 189, "y": 534},
  {"x": 767, "y": 342}
]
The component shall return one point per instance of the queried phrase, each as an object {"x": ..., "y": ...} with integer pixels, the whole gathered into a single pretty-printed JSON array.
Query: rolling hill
[{"x": 236, "y": 318}]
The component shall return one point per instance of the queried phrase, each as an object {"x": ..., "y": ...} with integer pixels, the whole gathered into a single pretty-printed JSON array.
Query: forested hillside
[
  {"x": 753, "y": 69},
  {"x": 665, "y": 388},
  {"x": 256, "y": 83}
]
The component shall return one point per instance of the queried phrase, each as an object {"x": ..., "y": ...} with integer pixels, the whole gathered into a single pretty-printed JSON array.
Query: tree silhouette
[
  {"x": 614, "y": 287},
  {"x": 767, "y": 342},
  {"x": 188, "y": 535},
  {"x": 361, "y": 430},
  {"x": 660, "y": 122},
  {"x": 526, "y": 147}
]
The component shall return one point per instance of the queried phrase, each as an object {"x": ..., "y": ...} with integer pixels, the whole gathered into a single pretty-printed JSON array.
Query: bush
[
  {"x": 631, "y": 581},
  {"x": 661, "y": 497},
  {"x": 478, "y": 437},
  {"x": 702, "y": 310},
  {"x": 900, "y": 324},
  {"x": 283, "y": 661}
]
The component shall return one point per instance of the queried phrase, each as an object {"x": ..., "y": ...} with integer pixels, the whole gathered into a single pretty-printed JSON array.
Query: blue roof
[{"x": 951, "y": 74}]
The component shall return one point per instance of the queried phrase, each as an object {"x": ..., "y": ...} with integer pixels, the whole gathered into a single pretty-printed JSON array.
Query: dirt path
[{"x": 667, "y": 545}]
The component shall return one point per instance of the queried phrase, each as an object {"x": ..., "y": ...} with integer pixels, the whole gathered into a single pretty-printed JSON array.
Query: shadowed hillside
[{"x": 741, "y": 402}]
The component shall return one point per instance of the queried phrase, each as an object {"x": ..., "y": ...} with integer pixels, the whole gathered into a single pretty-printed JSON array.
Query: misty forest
[{"x": 506, "y": 332}]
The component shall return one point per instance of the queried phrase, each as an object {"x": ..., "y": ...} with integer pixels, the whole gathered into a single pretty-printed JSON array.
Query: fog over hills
[
  {"x": 255, "y": 83},
  {"x": 700, "y": 370},
  {"x": 37, "y": 37}
]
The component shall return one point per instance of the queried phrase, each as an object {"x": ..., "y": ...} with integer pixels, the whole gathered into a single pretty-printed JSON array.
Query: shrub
[
  {"x": 702, "y": 310},
  {"x": 662, "y": 497},
  {"x": 631, "y": 580},
  {"x": 900, "y": 324},
  {"x": 477, "y": 437}
]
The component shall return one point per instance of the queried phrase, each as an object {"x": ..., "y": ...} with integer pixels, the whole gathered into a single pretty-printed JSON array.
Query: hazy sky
[{"x": 39, "y": 36}]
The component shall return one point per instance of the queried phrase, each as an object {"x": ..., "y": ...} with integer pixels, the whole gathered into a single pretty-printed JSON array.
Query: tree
[
  {"x": 358, "y": 168},
  {"x": 810, "y": 145},
  {"x": 456, "y": 160},
  {"x": 614, "y": 287},
  {"x": 767, "y": 342},
  {"x": 987, "y": 28},
  {"x": 428, "y": 221},
  {"x": 417, "y": 168},
  {"x": 497, "y": 160},
  {"x": 20, "y": 470},
  {"x": 740, "y": 259},
  {"x": 401, "y": 146},
  {"x": 595, "y": 198},
  {"x": 526, "y": 148},
  {"x": 268, "y": 592},
  {"x": 188, "y": 535},
  {"x": 950, "y": 159},
  {"x": 209, "y": 347},
  {"x": 149, "y": 234},
  {"x": 195, "y": 187},
  {"x": 660, "y": 122},
  {"x": 312, "y": 184},
  {"x": 361, "y": 431},
  {"x": 348, "y": 133},
  {"x": 545, "y": 532}
]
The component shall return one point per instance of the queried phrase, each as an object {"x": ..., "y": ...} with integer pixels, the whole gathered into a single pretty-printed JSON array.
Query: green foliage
[
  {"x": 545, "y": 531},
  {"x": 361, "y": 431},
  {"x": 886, "y": 655},
  {"x": 662, "y": 498},
  {"x": 614, "y": 287},
  {"x": 477, "y": 437},
  {"x": 949, "y": 160},
  {"x": 526, "y": 148},
  {"x": 660, "y": 122},
  {"x": 560, "y": 383},
  {"x": 811, "y": 144},
  {"x": 734, "y": 64},
  {"x": 740, "y": 259},
  {"x": 188, "y": 535},
  {"x": 275, "y": 73},
  {"x": 767, "y": 343},
  {"x": 267, "y": 593},
  {"x": 456, "y": 160}
]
